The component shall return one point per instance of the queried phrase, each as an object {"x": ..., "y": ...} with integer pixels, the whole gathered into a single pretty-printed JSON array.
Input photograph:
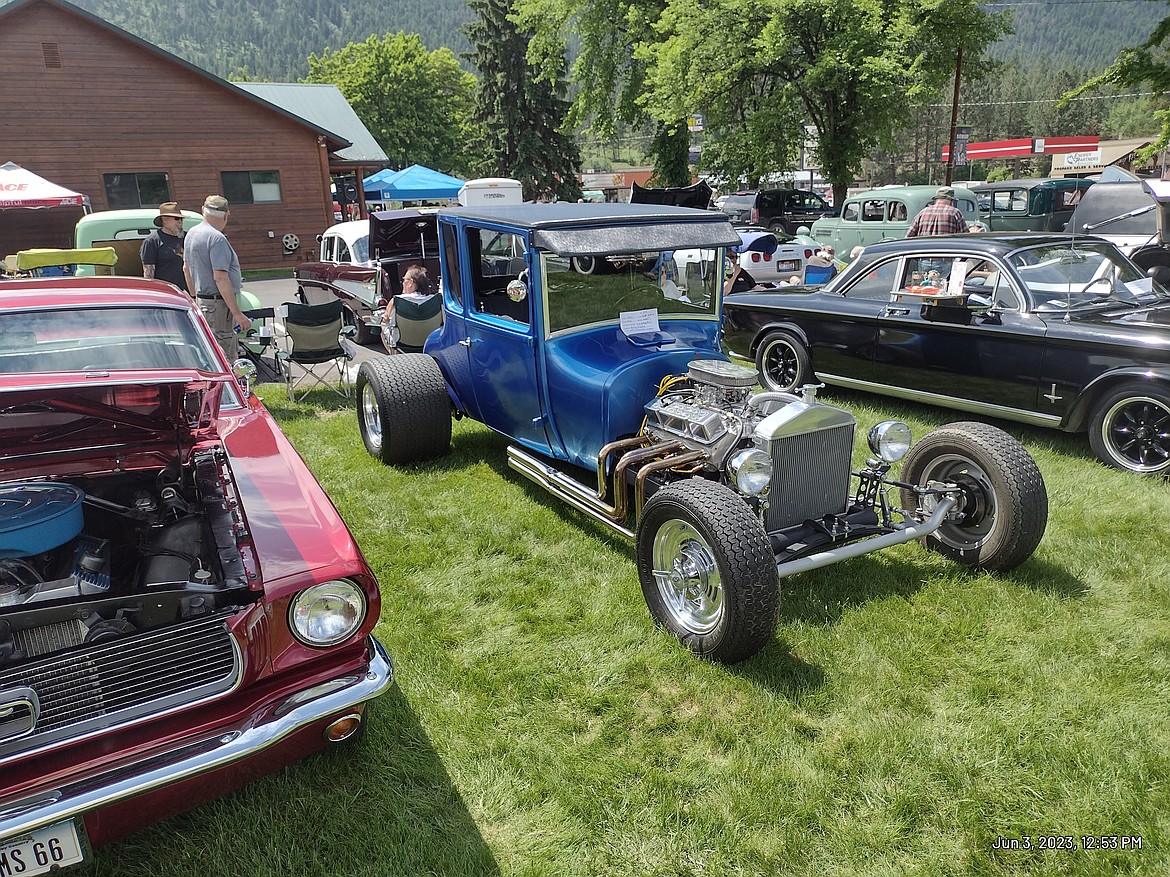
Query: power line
[{"x": 1048, "y": 100}]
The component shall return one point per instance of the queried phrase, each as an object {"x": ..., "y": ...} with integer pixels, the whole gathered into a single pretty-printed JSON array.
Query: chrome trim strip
[
  {"x": 856, "y": 549},
  {"x": 255, "y": 733},
  {"x": 1018, "y": 414}
]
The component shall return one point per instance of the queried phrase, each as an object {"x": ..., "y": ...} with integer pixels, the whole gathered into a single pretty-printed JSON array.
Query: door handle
[
  {"x": 466, "y": 342},
  {"x": 897, "y": 312}
]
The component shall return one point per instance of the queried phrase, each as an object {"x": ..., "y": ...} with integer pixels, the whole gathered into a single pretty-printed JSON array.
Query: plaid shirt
[{"x": 938, "y": 217}]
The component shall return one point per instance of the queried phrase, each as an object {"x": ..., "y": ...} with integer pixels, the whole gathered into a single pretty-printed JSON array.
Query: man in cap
[
  {"x": 213, "y": 275},
  {"x": 940, "y": 216},
  {"x": 162, "y": 250}
]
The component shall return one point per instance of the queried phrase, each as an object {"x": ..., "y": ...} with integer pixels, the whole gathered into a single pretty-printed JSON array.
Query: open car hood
[{"x": 108, "y": 425}]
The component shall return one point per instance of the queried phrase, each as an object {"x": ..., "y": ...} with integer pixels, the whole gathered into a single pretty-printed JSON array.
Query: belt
[{"x": 207, "y": 297}]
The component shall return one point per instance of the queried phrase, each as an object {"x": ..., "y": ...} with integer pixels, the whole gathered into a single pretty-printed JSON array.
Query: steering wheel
[{"x": 1094, "y": 282}]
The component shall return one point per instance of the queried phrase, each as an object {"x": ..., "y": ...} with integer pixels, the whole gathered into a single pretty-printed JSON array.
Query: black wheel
[
  {"x": 591, "y": 265},
  {"x": 1130, "y": 428},
  {"x": 1151, "y": 257},
  {"x": 779, "y": 225},
  {"x": 362, "y": 334},
  {"x": 404, "y": 413},
  {"x": 782, "y": 362},
  {"x": 707, "y": 570},
  {"x": 1004, "y": 506}
]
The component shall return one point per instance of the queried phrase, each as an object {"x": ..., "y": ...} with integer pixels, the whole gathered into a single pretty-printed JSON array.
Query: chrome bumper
[{"x": 257, "y": 732}]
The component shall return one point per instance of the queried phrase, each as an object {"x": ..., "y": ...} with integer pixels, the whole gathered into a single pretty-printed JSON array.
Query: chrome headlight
[
  {"x": 890, "y": 440},
  {"x": 327, "y": 614},
  {"x": 750, "y": 471}
]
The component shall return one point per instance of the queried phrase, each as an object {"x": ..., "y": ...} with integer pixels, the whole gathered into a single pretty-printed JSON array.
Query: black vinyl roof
[{"x": 596, "y": 229}]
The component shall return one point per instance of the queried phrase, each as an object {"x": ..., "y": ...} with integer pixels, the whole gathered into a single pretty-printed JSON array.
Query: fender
[{"x": 1078, "y": 416}]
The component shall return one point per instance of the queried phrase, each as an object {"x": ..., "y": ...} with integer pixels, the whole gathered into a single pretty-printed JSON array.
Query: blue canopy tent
[{"x": 415, "y": 183}]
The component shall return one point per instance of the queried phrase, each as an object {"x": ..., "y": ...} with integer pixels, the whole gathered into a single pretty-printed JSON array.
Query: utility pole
[{"x": 954, "y": 118}]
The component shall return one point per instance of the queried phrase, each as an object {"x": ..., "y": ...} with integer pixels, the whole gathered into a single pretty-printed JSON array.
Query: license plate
[
  {"x": 788, "y": 265},
  {"x": 41, "y": 851}
]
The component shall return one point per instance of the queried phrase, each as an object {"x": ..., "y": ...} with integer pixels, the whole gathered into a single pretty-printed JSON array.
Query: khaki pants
[{"x": 223, "y": 325}]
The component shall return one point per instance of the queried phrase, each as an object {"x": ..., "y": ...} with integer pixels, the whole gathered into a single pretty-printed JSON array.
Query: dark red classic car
[
  {"x": 352, "y": 254},
  {"x": 182, "y": 608}
]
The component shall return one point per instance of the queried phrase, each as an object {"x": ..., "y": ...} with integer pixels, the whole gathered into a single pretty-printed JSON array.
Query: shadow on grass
[
  {"x": 385, "y": 806},
  {"x": 1048, "y": 578}
]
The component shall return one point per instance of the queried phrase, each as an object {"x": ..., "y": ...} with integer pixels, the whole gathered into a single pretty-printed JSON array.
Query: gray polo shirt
[{"x": 206, "y": 249}]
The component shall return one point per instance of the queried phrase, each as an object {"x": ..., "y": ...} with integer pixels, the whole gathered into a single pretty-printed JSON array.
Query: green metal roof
[{"x": 325, "y": 107}]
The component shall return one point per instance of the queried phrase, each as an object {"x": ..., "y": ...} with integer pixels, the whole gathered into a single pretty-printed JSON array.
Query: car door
[
  {"x": 500, "y": 336},
  {"x": 937, "y": 348}
]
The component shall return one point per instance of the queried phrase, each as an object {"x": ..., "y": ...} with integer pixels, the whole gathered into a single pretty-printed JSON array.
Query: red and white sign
[
  {"x": 1025, "y": 146},
  {"x": 23, "y": 188}
]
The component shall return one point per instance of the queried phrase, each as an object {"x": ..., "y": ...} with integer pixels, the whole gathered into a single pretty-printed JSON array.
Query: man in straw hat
[
  {"x": 213, "y": 274},
  {"x": 940, "y": 216},
  {"x": 162, "y": 250}
]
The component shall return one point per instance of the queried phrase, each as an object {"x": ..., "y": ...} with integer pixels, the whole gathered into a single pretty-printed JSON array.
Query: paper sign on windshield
[{"x": 640, "y": 322}]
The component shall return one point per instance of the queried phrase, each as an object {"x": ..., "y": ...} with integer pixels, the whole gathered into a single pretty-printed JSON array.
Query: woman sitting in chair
[
  {"x": 414, "y": 282},
  {"x": 423, "y": 313}
]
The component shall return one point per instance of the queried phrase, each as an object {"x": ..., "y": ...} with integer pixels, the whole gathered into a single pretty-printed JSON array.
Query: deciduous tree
[{"x": 417, "y": 104}]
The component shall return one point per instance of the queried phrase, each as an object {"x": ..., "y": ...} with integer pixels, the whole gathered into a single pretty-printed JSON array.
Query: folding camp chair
[
  {"x": 413, "y": 319},
  {"x": 258, "y": 341},
  {"x": 313, "y": 344},
  {"x": 815, "y": 275}
]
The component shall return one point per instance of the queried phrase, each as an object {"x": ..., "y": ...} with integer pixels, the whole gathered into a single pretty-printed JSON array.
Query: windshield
[
  {"x": 673, "y": 284},
  {"x": 102, "y": 339},
  {"x": 1064, "y": 276},
  {"x": 361, "y": 249}
]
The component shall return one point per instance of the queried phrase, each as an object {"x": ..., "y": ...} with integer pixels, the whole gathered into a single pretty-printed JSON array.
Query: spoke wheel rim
[
  {"x": 780, "y": 365},
  {"x": 687, "y": 577},
  {"x": 371, "y": 418},
  {"x": 1137, "y": 433},
  {"x": 978, "y": 504}
]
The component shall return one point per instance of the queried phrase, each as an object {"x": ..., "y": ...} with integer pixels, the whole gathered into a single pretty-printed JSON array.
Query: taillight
[
  {"x": 767, "y": 257},
  {"x": 755, "y": 216},
  {"x": 808, "y": 254}
]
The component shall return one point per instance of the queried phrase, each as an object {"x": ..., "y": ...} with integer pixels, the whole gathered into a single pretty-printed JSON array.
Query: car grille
[
  {"x": 97, "y": 686},
  {"x": 810, "y": 475}
]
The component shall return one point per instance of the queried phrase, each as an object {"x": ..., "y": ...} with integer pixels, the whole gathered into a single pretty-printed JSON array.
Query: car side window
[
  {"x": 875, "y": 285},
  {"x": 496, "y": 260},
  {"x": 342, "y": 251},
  {"x": 849, "y": 212},
  {"x": 873, "y": 211},
  {"x": 898, "y": 212},
  {"x": 453, "y": 277},
  {"x": 328, "y": 248}
]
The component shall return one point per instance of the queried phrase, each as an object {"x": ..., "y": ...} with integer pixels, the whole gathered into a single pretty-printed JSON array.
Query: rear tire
[
  {"x": 782, "y": 362},
  {"x": 707, "y": 570},
  {"x": 404, "y": 412},
  {"x": 1130, "y": 428},
  {"x": 1005, "y": 503}
]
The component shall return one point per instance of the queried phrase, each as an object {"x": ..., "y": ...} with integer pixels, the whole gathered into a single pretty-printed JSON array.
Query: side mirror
[{"x": 244, "y": 371}]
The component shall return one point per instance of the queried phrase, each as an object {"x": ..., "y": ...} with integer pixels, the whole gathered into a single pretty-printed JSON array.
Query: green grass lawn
[{"x": 908, "y": 714}]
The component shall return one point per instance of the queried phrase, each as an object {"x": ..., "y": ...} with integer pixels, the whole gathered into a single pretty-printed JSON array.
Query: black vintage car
[{"x": 1061, "y": 331}]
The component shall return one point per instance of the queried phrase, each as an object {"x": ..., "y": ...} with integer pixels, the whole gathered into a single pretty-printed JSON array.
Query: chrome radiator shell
[{"x": 811, "y": 446}]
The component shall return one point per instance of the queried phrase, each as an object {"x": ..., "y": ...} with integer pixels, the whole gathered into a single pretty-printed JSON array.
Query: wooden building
[{"x": 98, "y": 110}]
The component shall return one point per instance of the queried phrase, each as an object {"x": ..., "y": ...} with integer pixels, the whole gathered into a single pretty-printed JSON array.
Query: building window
[
  {"x": 251, "y": 187},
  {"x": 126, "y": 191}
]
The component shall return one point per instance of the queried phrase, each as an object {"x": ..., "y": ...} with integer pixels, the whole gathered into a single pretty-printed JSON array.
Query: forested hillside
[
  {"x": 271, "y": 39},
  {"x": 1076, "y": 34}
]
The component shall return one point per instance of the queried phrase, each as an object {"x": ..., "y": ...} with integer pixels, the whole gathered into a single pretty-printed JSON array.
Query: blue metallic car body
[{"x": 567, "y": 393}]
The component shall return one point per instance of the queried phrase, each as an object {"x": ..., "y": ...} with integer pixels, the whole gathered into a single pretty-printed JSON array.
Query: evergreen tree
[{"x": 521, "y": 112}]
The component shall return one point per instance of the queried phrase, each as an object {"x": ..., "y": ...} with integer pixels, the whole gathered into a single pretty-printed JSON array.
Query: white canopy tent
[{"x": 23, "y": 188}]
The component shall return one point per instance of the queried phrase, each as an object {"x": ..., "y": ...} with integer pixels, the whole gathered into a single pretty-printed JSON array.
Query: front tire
[
  {"x": 1130, "y": 429},
  {"x": 362, "y": 333},
  {"x": 404, "y": 413},
  {"x": 1004, "y": 504},
  {"x": 707, "y": 570},
  {"x": 782, "y": 362}
]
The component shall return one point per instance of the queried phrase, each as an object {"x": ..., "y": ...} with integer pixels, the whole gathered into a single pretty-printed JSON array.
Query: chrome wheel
[
  {"x": 371, "y": 419},
  {"x": 978, "y": 506},
  {"x": 687, "y": 577}
]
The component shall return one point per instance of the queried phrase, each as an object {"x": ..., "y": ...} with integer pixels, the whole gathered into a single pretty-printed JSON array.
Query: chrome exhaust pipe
[{"x": 561, "y": 485}]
